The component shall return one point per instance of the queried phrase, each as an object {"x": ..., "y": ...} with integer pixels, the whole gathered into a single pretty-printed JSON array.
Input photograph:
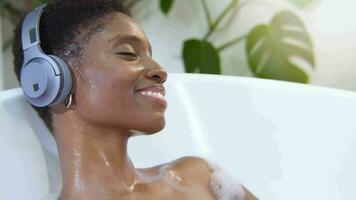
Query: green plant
[
  {"x": 301, "y": 3},
  {"x": 270, "y": 48},
  {"x": 166, "y": 5}
]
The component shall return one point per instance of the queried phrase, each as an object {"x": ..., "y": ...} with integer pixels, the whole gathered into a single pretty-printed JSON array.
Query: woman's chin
[{"x": 150, "y": 129}]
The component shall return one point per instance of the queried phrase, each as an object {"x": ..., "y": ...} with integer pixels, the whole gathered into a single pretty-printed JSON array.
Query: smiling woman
[{"x": 117, "y": 92}]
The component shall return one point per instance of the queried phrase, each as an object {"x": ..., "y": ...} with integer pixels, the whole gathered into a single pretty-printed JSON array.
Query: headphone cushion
[
  {"x": 46, "y": 81},
  {"x": 66, "y": 80}
]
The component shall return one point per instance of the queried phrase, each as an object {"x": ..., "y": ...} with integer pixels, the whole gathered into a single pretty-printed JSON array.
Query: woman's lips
[
  {"x": 154, "y": 96},
  {"x": 154, "y": 88},
  {"x": 154, "y": 93}
]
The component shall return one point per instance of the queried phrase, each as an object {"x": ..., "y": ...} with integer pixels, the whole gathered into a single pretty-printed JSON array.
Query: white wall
[
  {"x": 333, "y": 26},
  {"x": 330, "y": 23}
]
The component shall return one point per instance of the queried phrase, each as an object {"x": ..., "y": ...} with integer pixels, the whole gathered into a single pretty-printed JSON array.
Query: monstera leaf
[
  {"x": 200, "y": 56},
  {"x": 301, "y": 3},
  {"x": 272, "y": 49},
  {"x": 166, "y": 5}
]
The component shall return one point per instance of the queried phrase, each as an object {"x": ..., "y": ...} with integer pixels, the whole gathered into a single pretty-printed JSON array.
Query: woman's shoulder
[
  {"x": 211, "y": 176},
  {"x": 190, "y": 170},
  {"x": 190, "y": 161},
  {"x": 188, "y": 166},
  {"x": 195, "y": 169},
  {"x": 204, "y": 173}
]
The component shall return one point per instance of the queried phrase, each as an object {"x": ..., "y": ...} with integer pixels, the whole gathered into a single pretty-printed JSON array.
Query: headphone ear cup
[
  {"x": 66, "y": 80},
  {"x": 35, "y": 80},
  {"x": 46, "y": 81}
]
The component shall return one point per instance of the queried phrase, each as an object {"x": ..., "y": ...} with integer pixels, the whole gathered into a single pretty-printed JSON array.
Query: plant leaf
[
  {"x": 166, "y": 6},
  {"x": 301, "y": 3},
  {"x": 36, "y": 3},
  {"x": 201, "y": 57},
  {"x": 270, "y": 49}
]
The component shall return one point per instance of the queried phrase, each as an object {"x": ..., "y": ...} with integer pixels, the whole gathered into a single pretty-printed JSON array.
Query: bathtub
[{"x": 282, "y": 140}]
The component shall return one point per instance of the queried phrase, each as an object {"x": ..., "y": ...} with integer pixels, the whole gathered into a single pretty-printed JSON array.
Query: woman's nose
[{"x": 157, "y": 74}]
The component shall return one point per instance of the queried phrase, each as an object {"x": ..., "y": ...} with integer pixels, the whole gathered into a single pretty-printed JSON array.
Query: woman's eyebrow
[{"x": 132, "y": 38}]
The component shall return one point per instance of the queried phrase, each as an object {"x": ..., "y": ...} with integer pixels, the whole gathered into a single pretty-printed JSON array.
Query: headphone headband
[
  {"x": 30, "y": 28},
  {"x": 45, "y": 79}
]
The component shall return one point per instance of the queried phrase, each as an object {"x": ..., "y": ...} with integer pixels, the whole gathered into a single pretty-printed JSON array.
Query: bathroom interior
[{"x": 283, "y": 135}]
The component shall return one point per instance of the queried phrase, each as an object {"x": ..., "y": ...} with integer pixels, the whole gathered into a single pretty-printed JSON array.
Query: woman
[{"x": 117, "y": 92}]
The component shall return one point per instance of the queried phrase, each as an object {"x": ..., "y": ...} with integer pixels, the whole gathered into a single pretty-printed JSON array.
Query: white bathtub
[{"x": 284, "y": 141}]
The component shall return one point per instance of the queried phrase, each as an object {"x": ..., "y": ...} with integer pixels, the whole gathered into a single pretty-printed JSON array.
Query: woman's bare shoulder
[
  {"x": 194, "y": 169},
  {"x": 190, "y": 161},
  {"x": 191, "y": 170},
  {"x": 184, "y": 165}
]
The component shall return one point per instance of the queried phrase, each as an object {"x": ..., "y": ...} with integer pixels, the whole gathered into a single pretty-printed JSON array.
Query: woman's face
[{"x": 117, "y": 62}]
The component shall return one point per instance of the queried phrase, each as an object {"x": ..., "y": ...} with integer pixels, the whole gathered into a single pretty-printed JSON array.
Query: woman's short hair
[{"x": 65, "y": 28}]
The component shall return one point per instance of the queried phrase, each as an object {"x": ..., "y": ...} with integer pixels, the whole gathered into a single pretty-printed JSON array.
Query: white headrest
[{"x": 24, "y": 161}]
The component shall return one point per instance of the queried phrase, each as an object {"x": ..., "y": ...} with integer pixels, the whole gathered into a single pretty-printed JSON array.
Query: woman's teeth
[{"x": 153, "y": 94}]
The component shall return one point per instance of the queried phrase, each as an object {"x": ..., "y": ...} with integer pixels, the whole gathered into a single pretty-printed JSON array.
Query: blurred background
[{"x": 306, "y": 41}]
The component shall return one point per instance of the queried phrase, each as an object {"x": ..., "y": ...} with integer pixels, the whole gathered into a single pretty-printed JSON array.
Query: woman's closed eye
[{"x": 128, "y": 55}]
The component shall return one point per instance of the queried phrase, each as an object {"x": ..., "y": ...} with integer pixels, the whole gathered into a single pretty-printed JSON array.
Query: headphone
[{"x": 45, "y": 79}]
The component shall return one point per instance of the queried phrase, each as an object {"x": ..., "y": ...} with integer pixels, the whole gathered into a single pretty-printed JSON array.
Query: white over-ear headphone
[{"x": 45, "y": 79}]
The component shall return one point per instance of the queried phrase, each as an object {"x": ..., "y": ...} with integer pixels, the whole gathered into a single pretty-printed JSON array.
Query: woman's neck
[{"x": 94, "y": 160}]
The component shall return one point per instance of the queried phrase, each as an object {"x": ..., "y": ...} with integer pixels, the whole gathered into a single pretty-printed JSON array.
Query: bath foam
[{"x": 223, "y": 186}]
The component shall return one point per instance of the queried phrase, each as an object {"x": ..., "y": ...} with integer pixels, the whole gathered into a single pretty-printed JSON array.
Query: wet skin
[{"x": 92, "y": 134}]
